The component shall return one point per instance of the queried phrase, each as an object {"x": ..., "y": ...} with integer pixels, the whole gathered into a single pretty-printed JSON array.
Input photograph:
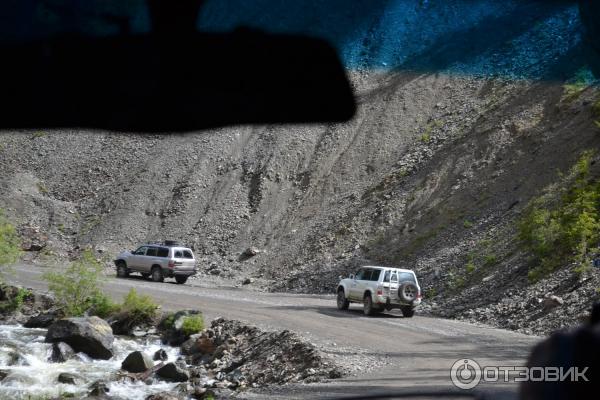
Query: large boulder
[
  {"x": 137, "y": 361},
  {"x": 61, "y": 352},
  {"x": 91, "y": 335},
  {"x": 173, "y": 373},
  {"x": 43, "y": 320}
]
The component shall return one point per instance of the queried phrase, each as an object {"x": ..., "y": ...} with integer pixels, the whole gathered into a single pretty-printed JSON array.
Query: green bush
[
  {"x": 78, "y": 288},
  {"x": 467, "y": 224},
  {"x": 15, "y": 303},
  {"x": 103, "y": 306},
  {"x": 192, "y": 324},
  {"x": 10, "y": 244},
  {"x": 140, "y": 308},
  {"x": 564, "y": 229}
]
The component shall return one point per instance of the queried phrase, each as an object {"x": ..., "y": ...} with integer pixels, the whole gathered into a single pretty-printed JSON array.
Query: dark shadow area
[
  {"x": 352, "y": 312},
  {"x": 171, "y": 79}
]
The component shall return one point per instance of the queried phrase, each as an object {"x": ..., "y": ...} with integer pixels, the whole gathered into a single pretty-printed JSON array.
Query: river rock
[
  {"x": 551, "y": 301},
  {"x": 137, "y": 361},
  {"x": 173, "y": 373},
  {"x": 91, "y": 335},
  {"x": 3, "y": 374},
  {"x": 69, "y": 379},
  {"x": 43, "y": 320},
  {"x": 160, "y": 355},
  {"x": 61, "y": 352},
  {"x": 163, "y": 396},
  {"x": 98, "y": 389},
  {"x": 197, "y": 344}
]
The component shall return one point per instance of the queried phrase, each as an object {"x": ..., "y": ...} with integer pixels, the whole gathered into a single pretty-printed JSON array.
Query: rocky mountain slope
[{"x": 433, "y": 173}]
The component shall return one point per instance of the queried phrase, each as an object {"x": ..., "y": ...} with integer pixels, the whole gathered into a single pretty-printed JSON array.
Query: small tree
[{"x": 78, "y": 288}]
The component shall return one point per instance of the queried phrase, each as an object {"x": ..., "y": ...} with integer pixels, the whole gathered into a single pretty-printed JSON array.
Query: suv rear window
[
  {"x": 406, "y": 276},
  {"x": 163, "y": 252},
  {"x": 187, "y": 254}
]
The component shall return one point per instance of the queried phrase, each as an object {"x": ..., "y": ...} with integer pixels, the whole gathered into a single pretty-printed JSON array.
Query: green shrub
[
  {"x": 567, "y": 229},
  {"x": 16, "y": 302},
  {"x": 10, "y": 244},
  {"x": 470, "y": 267},
  {"x": 78, "y": 289},
  {"x": 141, "y": 308},
  {"x": 467, "y": 224},
  {"x": 103, "y": 306},
  {"x": 490, "y": 260},
  {"x": 192, "y": 324}
]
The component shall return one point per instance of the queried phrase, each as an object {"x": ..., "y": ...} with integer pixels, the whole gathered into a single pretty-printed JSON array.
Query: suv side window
[
  {"x": 187, "y": 254},
  {"x": 151, "y": 252},
  {"x": 375, "y": 275},
  {"x": 178, "y": 254},
  {"x": 394, "y": 278},
  {"x": 360, "y": 275},
  {"x": 386, "y": 276},
  {"x": 141, "y": 251},
  {"x": 163, "y": 252}
]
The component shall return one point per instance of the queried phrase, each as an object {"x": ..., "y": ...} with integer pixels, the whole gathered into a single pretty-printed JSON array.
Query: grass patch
[
  {"x": 467, "y": 224},
  {"x": 490, "y": 260},
  {"x": 10, "y": 243},
  {"x": 41, "y": 188},
  {"x": 563, "y": 228},
  {"x": 140, "y": 307},
  {"x": 426, "y": 135},
  {"x": 38, "y": 134},
  {"x": 580, "y": 82},
  {"x": 192, "y": 324}
]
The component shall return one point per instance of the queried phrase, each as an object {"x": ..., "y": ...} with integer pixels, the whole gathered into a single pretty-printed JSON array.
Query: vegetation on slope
[{"x": 565, "y": 228}]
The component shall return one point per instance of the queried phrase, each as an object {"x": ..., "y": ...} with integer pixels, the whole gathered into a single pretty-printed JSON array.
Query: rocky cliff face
[{"x": 444, "y": 153}]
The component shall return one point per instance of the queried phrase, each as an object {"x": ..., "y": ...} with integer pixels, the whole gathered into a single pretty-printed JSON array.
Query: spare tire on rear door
[{"x": 407, "y": 292}]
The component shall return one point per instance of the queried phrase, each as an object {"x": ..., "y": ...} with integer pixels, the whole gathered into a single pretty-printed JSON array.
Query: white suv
[
  {"x": 379, "y": 289},
  {"x": 159, "y": 260}
]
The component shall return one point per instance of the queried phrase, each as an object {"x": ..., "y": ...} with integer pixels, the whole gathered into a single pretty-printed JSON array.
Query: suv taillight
[
  {"x": 171, "y": 264},
  {"x": 379, "y": 290},
  {"x": 419, "y": 295}
]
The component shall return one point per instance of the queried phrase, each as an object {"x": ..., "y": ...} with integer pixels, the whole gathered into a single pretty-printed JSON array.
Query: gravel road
[{"x": 382, "y": 353}]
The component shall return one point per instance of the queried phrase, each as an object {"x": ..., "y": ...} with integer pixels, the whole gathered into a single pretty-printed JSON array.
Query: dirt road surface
[{"x": 386, "y": 353}]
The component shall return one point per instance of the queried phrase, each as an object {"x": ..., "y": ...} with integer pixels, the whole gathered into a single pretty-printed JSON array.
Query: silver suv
[
  {"x": 165, "y": 260},
  {"x": 379, "y": 289}
]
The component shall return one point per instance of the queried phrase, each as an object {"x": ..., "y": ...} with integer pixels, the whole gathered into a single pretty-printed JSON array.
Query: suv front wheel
[
  {"x": 122, "y": 271},
  {"x": 342, "y": 302}
]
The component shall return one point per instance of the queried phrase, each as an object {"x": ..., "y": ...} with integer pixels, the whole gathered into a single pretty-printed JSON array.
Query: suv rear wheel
[
  {"x": 368, "y": 305},
  {"x": 342, "y": 302},
  {"x": 407, "y": 311},
  {"x": 122, "y": 271},
  {"x": 157, "y": 275},
  {"x": 181, "y": 279}
]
